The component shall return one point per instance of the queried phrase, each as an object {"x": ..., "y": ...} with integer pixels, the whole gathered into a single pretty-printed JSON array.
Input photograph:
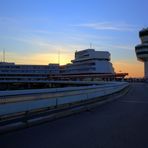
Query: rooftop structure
[
  {"x": 142, "y": 50},
  {"x": 89, "y": 61}
]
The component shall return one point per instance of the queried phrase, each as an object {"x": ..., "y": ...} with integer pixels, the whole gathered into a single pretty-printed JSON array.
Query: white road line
[{"x": 130, "y": 101}]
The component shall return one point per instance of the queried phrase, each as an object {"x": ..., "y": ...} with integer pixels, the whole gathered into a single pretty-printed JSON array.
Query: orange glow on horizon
[
  {"x": 133, "y": 69},
  {"x": 40, "y": 59}
]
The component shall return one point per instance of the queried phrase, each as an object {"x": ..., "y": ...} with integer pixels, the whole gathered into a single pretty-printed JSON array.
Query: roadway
[{"x": 119, "y": 124}]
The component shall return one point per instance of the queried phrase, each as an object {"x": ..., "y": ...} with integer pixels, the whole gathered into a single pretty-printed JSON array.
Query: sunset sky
[{"x": 39, "y": 31}]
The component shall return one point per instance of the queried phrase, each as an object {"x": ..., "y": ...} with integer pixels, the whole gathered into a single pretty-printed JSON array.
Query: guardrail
[{"x": 27, "y": 100}]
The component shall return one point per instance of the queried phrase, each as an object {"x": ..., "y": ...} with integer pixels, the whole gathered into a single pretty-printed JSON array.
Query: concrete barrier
[{"x": 26, "y": 100}]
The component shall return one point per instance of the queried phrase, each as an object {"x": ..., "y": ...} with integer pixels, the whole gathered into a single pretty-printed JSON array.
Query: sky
[{"x": 50, "y": 31}]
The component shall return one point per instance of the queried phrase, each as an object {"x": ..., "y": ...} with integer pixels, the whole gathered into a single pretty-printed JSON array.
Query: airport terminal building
[{"x": 88, "y": 64}]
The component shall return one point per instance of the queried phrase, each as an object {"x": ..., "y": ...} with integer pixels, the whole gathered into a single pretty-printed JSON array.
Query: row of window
[
  {"x": 85, "y": 60},
  {"x": 142, "y": 52},
  {"x": 29, "y": 71},
  {"x": 80, "y": 70},
  {"x": 28, "y": 67},
  {"x": 22, "y": 79}
]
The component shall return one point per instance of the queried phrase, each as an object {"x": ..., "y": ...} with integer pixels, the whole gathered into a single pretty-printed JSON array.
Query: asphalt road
[{"x": 120, "y": 124}]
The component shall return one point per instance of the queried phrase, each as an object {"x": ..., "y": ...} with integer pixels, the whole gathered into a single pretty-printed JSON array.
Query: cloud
[
  {"x": 7, "y": 19},
  {"x": 109, "y": 26},
  {"x": 38, "y": 43},
  {"x": 127, "y": 47}
]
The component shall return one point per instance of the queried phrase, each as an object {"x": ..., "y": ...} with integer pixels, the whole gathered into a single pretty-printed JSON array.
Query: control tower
[{"x": 142, "y": 50}]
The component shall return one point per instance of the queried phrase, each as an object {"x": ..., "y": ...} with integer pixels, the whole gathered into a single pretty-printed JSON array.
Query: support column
[{"x": 146, "y": 69}]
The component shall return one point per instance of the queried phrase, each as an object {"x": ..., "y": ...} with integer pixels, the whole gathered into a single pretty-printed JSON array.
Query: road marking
[{"x": 131, "y": 101}]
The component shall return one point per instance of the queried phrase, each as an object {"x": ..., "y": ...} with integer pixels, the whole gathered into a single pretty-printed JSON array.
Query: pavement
[{"x": 119, "y": 124}]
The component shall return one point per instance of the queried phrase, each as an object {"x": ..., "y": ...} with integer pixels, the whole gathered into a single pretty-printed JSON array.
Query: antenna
[
  {"x": 59, "y": 57},
  {"x": 90, "y": 45},
  {"x": 3, "y": 55}
]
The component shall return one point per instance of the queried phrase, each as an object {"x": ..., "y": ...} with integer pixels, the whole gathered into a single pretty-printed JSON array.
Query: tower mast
[
  {"x": 90, "y": 45},
  {"x": 3, "y": 55}
]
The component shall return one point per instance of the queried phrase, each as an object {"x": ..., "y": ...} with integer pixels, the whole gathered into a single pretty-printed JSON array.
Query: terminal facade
[
  {"x": 87, "y": 65},
  {"x": 89, "y": 61}
]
